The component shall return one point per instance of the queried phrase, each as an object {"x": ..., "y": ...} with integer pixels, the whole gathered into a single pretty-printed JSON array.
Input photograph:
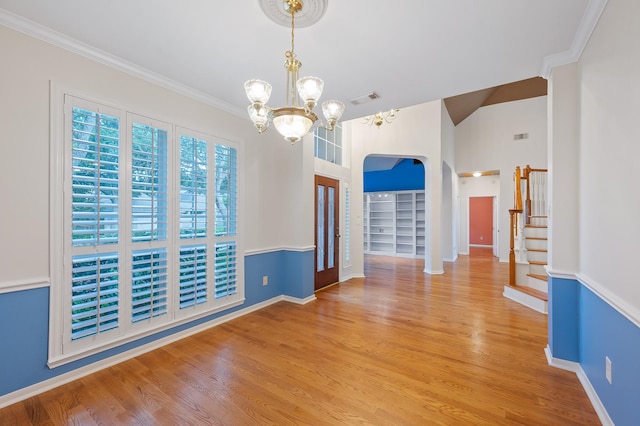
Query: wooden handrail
[{"x": 527, "y": 170}]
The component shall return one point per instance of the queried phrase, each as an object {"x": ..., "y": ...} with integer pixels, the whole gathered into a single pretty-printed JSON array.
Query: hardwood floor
[{"x": 397, "y": 348}]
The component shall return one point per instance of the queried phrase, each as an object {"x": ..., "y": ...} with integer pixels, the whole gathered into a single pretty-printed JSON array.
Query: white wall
[
  {"x": 484, "y": 141},
  {"x": 28, "y": 66},
  {"x": 609, "y": 79},
  {"x": 449, "y": 189},
  {"x": 564, "y": 158}
]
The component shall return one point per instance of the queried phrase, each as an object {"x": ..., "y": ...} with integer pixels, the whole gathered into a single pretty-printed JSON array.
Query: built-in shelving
[
  {"x": 420, "y": 223},
  {"x": 393, "y": 223},
  {"x": 382, "y": 220}
]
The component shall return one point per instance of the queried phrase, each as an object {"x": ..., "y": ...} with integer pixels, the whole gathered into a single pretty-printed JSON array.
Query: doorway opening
[{"x": 394, "y": 216}]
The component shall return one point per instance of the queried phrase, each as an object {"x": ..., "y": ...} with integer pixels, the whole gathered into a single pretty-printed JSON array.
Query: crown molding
[
  {"x": 585, "y": 29},
  {"x": 55, "y": 38}
]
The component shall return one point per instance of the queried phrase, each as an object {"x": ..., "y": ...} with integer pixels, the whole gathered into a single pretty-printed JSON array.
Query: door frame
[{"x": 327, "y": 276}]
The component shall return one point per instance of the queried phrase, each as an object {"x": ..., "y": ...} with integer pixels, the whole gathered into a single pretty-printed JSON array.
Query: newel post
[{"x": 512, "y": 253}]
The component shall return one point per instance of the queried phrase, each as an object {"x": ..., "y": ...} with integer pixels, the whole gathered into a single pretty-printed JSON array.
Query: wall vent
[
  {"x": 364, "y": 98},
  {"x": 520, "y": 136}
]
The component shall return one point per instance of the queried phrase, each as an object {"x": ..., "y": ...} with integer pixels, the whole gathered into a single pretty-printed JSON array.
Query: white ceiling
[{"x": 409, "y": 52}]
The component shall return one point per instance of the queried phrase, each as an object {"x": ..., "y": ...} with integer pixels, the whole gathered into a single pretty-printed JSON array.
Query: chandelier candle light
[
  {"x": 381, "y": 117},
  {"x": 292, "y": 121}
]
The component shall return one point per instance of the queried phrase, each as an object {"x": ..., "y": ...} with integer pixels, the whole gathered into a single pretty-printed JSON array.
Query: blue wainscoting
[
  {"x": 563, "y": 321},
  {"x": 298, "y": 268},
  {"x": 290, "y": 273},
  {"x": 599, "y": 331},
  {"x": 24, "y": 318},
  {"x": 24, "y": 336}
]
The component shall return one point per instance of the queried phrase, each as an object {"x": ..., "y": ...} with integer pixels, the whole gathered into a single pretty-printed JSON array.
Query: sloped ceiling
[{"x": 462, "y": 106}]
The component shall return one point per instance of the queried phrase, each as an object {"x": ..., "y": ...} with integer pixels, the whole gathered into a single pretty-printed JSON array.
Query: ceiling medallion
[{"x": 311, "y": 13}]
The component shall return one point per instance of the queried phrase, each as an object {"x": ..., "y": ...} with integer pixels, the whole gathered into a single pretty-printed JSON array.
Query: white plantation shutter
[
  {"x": 171, "y": 257},
  {"x": 225, "y": 262},
  {"x": 193, "y": 276},
  {"x": 225, "y": 191},
  {"x": 94, "y": 169},
  {"x": 347, "y": 226},
  {"x": 95, "y": 164},
  {"x": 94, "y": 295},
  {"x": 148, "y": 284},
  {"x": 225, "y": 270},
  {"x": 193, "y": 187},
  {"x": 149, "y": 183}
]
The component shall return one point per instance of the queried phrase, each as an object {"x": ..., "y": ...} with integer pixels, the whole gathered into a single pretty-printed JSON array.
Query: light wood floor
[{"x": 398, "y": 348}]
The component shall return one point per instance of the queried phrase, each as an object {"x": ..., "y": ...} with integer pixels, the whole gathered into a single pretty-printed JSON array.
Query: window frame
[
  {"x": 62, "y": 349},
  {"x": 330, "y": 143}
]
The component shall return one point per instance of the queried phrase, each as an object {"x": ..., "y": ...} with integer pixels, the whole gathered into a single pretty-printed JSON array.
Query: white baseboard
[
  {"x": 299, "y": 301},
  {"x": 575, "y": 367},
  {"x": 54, "y": 382},
  {"x": 525, "y": 299},
  {"x": 350, "y": 276}
]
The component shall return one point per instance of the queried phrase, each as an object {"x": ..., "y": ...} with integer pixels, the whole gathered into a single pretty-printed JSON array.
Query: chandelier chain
[{"x": 292, "y": 25}]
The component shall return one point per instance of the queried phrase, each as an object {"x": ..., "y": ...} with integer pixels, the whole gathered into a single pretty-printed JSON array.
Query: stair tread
[
  {"x": 540, "y": 216},
  {"x": 536, "y": 226},
  {"x": 538, "y": 276},
  {"x": 535, "y": 238},
  {"x": 537, "y": 262},
  {"x": 532, "y": 292},
  {"x": 538, "y": 250}
]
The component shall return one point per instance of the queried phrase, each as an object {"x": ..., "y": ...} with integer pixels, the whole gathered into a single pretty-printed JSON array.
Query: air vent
[
  {"x": 520, "y": 136},
  {"x": 364, "y": 98}
]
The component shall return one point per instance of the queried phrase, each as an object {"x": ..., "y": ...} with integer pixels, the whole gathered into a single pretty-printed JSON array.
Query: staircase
[{"x": 528, "y": 256}]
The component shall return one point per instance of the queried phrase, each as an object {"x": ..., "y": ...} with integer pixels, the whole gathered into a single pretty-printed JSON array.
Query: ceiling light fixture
[
  {"x": 477, "y": 174},
  {"x": 292, "y": 121},
  {"x": 381, "y": 117}
]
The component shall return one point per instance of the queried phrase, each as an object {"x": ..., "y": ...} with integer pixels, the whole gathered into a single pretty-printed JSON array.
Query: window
[
  {"x": 148, "y": 225},
  {"x": 328, "y": 144}
]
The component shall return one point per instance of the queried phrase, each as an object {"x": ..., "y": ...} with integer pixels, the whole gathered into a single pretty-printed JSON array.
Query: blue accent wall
[
  {"x": 24, "y": 318},
  {"x": 563, "y": 318},
  {"x": 600, "y": 331},
  {"x": 606, "y": 332},
  {"x": 24, "y": 337},
  {"x": 299, "y": 273},
  {"x": 405, "y": 176}
]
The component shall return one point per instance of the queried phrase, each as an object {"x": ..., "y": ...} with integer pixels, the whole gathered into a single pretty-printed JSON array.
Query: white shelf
[{"x": 394, "y": 223}]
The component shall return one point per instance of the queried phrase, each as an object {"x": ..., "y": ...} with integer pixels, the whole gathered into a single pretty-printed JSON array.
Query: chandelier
[
  {"x": 381, "y": 117},
  {"x": 294, "y": 120}
]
